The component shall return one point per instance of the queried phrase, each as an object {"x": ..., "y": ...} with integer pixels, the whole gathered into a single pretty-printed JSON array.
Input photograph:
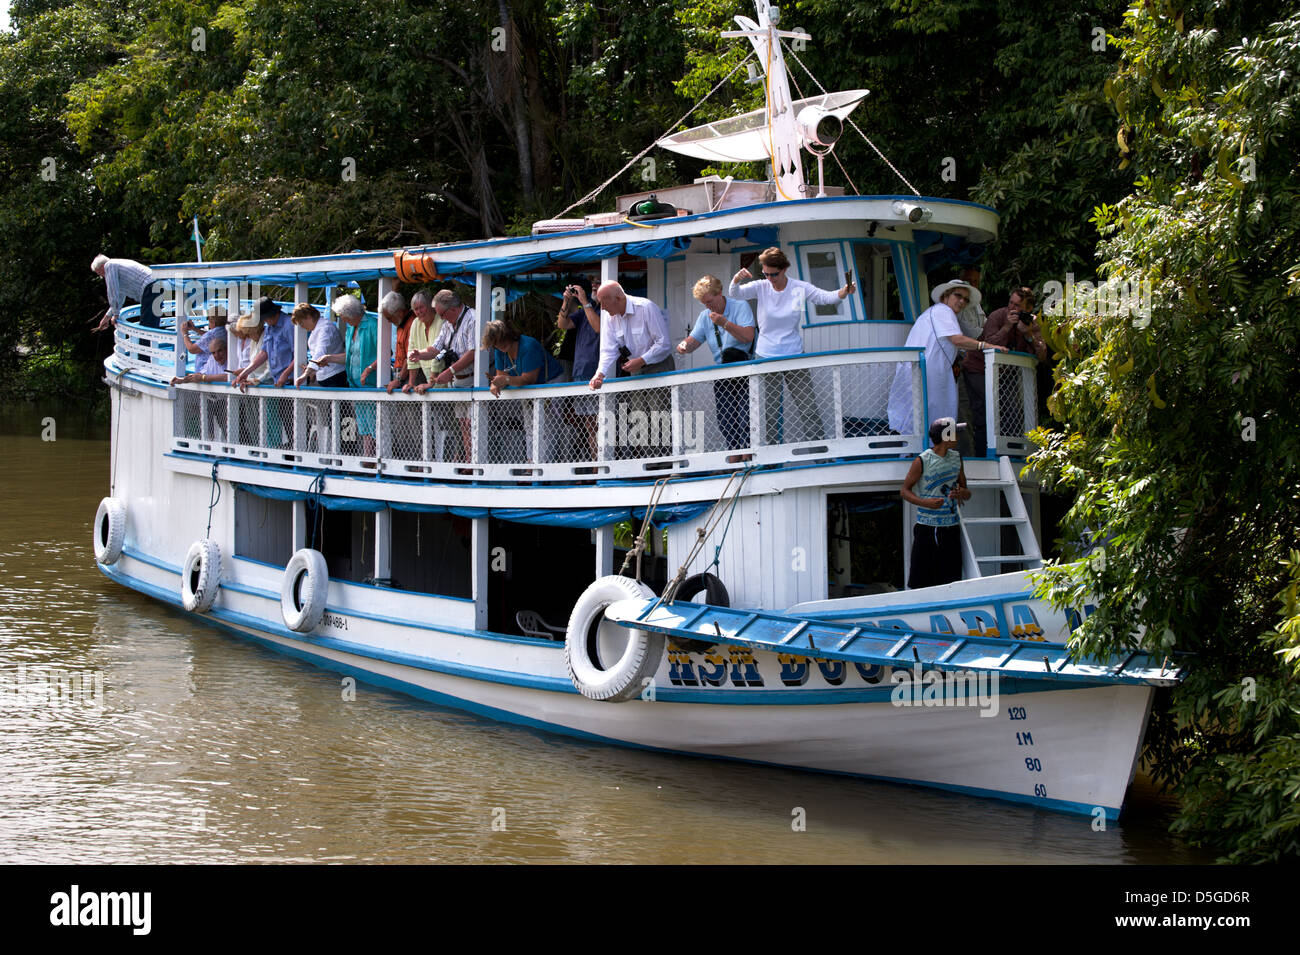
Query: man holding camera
[{"x": 1013, "y": 327}]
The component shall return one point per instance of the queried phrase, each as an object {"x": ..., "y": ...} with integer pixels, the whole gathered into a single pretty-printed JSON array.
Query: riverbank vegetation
[{"x": 1154, "y": 145}]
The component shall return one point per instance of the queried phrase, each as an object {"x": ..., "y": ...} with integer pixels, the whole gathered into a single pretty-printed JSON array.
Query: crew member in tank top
[{"x": 940, "y": 479}]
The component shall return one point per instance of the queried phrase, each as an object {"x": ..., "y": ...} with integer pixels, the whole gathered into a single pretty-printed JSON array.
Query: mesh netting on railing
[
  {"x": 830, "y": 405},
  {"x": 1013, "y": 383}
]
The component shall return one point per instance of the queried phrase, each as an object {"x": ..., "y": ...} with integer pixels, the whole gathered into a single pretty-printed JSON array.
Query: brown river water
[{"x": 206, "y": 748}]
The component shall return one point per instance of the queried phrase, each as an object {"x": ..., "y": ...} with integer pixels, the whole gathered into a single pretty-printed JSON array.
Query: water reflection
[{"x": 211, "y": 749}]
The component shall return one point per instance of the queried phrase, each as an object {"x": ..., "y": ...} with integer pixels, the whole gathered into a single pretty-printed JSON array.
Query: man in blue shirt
[{"x": 727, "y": 327}]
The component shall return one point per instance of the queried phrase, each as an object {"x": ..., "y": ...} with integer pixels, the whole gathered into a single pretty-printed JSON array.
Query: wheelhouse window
[{"x": 823, "y": 266}]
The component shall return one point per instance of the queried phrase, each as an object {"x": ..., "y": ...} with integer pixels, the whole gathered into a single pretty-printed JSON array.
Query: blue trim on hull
[{"x": 506, "y": 716}]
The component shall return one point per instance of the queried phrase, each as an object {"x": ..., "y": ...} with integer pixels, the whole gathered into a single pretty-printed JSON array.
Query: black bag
[
  {"x": 624, "y": 356},
  {"x": 733, "y": 353}
]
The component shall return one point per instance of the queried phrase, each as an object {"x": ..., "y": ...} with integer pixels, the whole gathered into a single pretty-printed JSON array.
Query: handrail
[{"x": 803, "y": 409}]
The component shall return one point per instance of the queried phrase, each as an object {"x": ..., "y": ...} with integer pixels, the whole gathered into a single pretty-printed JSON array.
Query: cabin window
[
  {"x": 864, "y": 543},
  {"x": 263, "y": 528},
  {"x": 877, "y": 286},
  {"x": 430, "y": 553},
  {"x": 823, "y": 266}
]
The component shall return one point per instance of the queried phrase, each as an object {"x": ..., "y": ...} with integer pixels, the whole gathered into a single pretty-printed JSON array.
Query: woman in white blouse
[{"x": 781, "y": 305}]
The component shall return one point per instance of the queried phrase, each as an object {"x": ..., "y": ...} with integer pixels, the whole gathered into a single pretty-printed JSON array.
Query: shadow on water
[{"x": 209, "y": 748}]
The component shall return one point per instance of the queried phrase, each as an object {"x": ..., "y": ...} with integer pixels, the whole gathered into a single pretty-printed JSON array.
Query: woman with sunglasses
[
  {"x": 781, "y": 305},
  {"x": 938, "y": 332}
]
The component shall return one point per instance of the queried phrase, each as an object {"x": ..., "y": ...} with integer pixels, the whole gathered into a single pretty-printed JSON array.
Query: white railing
[
  {"x": 814, "y": 407},
  {"x": 1010, "y": 402}
]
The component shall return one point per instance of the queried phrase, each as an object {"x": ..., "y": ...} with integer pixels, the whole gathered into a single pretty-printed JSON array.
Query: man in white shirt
[
  {"x": 634, "y": 323},
  {"x": 640, "y": 326}
]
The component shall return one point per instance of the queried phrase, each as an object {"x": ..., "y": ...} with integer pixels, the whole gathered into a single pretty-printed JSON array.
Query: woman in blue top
[{"x": 518, "y": 360}]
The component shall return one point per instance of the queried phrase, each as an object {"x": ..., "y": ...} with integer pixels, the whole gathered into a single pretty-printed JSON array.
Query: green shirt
[{"x": 361, "y": 347}]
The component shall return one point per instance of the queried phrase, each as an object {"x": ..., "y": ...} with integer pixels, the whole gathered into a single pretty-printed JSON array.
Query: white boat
[{"x": 487, "y": 578}]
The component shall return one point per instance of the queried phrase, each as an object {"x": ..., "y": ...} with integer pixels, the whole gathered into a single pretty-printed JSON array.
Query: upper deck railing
[{"x": 804, "y": 409}]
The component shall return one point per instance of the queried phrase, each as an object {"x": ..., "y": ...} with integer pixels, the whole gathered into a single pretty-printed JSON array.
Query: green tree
[{"x": 1179, "y": 432}]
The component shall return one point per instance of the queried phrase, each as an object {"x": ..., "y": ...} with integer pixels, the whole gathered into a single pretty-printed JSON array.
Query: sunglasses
[{"x": 771, "y": 275}]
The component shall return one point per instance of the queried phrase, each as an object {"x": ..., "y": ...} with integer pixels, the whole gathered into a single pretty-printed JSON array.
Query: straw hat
[
  {"x": 248, "y": 322},
  {"x": 940, "y": 291}
]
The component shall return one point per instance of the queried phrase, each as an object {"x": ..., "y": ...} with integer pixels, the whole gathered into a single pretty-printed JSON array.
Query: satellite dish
[{"x": 746, "y": 138}]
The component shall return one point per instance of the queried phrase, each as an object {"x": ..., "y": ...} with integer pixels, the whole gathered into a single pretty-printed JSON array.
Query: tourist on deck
[
  {"x": 936, "y": 538},
  {"x": 781, "y": 307},
  {"x": 325, "y": 348},
  {"x": 580, "y": 319},
  {"x": 518, "y": 360},
  {"x": 635, "y": 324},
  {"x": 1014, "y": 328},
  {"x": 216, "y": 321},
  {"x": 360, "y": 344},
  {"x": 455, "y": 345},
  {"x": 253, "y": 331},
  {"x": 127, "y": 278},
  {"x": 936, "y": 330},
  {"x": 726, "y": 325},
  {"x": 424, "y": 332},
  {"x": 210, "y": 366},
  {"x": 393, "y": 310},
  {"x": 636, "y": 327},
  {"x": 456, "y": 340},
  {"x": 276, "y": 345}
]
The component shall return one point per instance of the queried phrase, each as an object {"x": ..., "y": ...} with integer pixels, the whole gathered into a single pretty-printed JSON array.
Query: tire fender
[
  {"x": 304, "y": 589},
  {"x": 110, "y": 530},
  {"x": 201, "y": 575},
  {"x": 591, "y": 641}
]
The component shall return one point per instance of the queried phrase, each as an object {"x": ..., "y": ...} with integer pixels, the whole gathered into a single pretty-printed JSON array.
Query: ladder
[{"x": 983, "y": 565}]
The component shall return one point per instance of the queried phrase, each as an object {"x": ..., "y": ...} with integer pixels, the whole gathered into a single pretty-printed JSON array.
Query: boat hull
[{"x": 1066, "y": 748}]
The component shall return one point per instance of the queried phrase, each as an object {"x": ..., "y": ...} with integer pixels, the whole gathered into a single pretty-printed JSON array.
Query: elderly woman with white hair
[{"x": 360, "y": 346}]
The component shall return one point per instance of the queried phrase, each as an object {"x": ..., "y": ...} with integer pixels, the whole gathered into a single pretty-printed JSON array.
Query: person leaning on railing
[
  {"x": 360, "y": 342},
  {"x": 424, "y": 332},
  {"x": 210, "y": 366},
  {"x": 726, "y": 325},
  {"x": 393, "y": 310},
  {"x": 517, "y": 360},
  {"x": 1011, "y": 327},
  {"x": 324, "y": 349},
  {"x": 781, "y": 305}
]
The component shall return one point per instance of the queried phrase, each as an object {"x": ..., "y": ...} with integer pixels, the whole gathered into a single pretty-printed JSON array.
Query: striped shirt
[{"x": 125, "y": 279}]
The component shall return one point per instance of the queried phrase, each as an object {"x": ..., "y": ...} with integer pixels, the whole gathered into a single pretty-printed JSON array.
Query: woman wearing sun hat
[{"x": 937, "y": 331}]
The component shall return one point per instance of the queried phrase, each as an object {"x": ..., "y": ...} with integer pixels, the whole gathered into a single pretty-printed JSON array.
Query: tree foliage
[{"x": 1180, "y": 435}]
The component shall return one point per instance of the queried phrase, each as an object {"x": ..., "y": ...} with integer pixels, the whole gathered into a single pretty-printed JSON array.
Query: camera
[
  {"x": 1022, "y": 318},
  {"x": 447, "y": 355}
]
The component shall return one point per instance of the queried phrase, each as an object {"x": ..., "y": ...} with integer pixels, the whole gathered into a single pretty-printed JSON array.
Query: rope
[
  {"x": 315, "y": 489},
  {"x": 214, "y": 496},
  {"x": 702, "y": 533},
  {"x": 604, "y": 185},
  {"x": 883, "y": 157},
  {"x": 847, "y": 177}
]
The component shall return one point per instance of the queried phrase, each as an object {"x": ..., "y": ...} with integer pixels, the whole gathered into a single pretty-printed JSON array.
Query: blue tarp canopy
[{"x": 665, "y": 514}]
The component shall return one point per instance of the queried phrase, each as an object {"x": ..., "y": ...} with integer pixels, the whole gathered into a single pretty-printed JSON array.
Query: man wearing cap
[
  {"x": 938, "y": 332},
  {"x": 936, "y": 538}
]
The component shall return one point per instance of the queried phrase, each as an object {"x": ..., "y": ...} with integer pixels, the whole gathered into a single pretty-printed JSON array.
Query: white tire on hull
[
  {"x": 303, "y": 592},
  {"x": 591, "y": 640},
  {"x": 201, "y": 575},
  {"x": 110, "y": 530}
]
